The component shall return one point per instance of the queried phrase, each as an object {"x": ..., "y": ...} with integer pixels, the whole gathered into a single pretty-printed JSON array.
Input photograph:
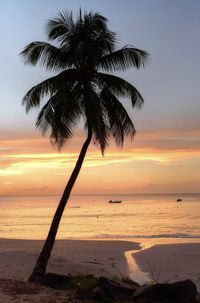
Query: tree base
[{"x": 36, "y": 278}]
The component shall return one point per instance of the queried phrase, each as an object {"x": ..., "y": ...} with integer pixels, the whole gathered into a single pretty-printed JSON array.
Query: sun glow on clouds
[
  {"x": 9, "y": 172},
  {"x": 152, "y": 157},
  {"x": 22, "y": 163}
]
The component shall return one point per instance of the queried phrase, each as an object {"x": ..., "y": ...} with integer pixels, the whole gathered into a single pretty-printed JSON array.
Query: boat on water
[
  {"x": 179, "y": 200},
  {"x": 115, "y": 201}
]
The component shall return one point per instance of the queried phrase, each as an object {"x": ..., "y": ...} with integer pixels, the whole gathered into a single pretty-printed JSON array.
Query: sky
[{"x": 164, "y": 156}]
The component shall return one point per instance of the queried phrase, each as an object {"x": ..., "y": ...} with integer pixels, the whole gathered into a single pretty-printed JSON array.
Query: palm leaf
[
  {"x": 123, "y": 59},
  {"x": 120, "y": 88},
  {"x": 62, "y": 81},
  {"x": 61, "y": 114},
  {"x": 92, "y": 22},
  {"x": 59, "y": 27},
  {"x": 67, "y": 113},
  {"x": 96, "y": 118},
  {"x": 51, "y": 57},
  {"x": 46, "y": 116},
  {"x": 119, "y": 120},
  {"x": 35, "y": 94},
  {"x": 105, "y": 42}
]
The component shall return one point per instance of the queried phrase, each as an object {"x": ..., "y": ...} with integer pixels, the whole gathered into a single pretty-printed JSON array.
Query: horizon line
[{"x": 99, "y": 194}]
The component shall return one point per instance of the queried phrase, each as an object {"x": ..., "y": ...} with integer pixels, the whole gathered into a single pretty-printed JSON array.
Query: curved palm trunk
[{"x": 39, "y": 270}]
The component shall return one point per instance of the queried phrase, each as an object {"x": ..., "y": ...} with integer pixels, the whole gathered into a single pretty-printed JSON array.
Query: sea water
[{"x": 92, "y": 217}]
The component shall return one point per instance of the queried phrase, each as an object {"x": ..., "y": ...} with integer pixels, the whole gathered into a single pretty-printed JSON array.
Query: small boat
[
  {"x": 115, "y": 201},
  {"x": 179, "y": 200}
]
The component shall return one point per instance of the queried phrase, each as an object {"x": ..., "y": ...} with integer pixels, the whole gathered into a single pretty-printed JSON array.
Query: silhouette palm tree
[{"x": 84, "y": 53}]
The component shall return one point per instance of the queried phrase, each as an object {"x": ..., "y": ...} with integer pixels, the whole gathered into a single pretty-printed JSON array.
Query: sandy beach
[
  {"x": 17, "y": 258},
  {"x": 171, "y": 262},
  {"x": 168, "y": 262}
]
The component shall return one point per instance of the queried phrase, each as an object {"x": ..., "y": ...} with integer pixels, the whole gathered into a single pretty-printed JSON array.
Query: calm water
[{"x": 138, "y": 216}]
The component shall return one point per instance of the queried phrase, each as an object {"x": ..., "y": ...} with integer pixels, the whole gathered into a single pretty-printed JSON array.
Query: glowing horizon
[{"x": 26, "y": 159}]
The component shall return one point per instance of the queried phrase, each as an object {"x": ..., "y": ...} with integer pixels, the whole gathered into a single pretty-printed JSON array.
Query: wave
[{"x": 176, "y": 235}]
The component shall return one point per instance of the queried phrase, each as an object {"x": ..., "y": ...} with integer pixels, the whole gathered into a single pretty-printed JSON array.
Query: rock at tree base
[
  {"x": 178, "y": 292},
  {"x": 116, "y": 290},
  {"x": 56, "y": 281},
  {"x": 97, "y": 294}
]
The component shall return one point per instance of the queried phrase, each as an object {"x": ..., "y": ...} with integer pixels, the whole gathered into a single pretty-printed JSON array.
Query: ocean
[{"x": 92, "y": 217}]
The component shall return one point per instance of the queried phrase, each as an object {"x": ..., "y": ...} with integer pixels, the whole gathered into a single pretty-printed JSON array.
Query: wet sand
[{"x": 171, "y": 262}]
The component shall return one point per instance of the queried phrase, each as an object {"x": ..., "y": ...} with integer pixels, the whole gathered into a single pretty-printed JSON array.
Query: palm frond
[
  {"x": 119, "y": 120},
  {"x": 35, "y": 94},
  {"x": 44, "y": 117},
  {"x": 120, "y": 88},
  {"x": 94, "y": 22},
  {"x": 61, "y": 114},
  {"x": 105, "y": 42},
  {"x": 96, "y": 118},
  {"x": 51, "y": 57},
  {"x": 65, "y": 120},
  {"x": 92, "y": 28},
  {"x": 59, "y": 27},
  {"x": 87, "y": 27},
  {"x": 123, "y": 59},
  {"x": 59, "y": 83},
  {"x": 61, "y": 129}
]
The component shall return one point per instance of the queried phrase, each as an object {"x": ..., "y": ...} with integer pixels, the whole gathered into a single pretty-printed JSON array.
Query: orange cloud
[{"x": 32, "y": 163}]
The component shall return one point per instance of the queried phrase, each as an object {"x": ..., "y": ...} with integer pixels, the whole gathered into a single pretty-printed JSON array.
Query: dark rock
[
  {"x": 179, "y": 292},
  {"x": 97, "y": 294},
  {"x": 197, "y": 299},
  {"x": 116, "y": 290},
  {"x": 133, "y": 284},
  {"x": 56, "y": 281}
]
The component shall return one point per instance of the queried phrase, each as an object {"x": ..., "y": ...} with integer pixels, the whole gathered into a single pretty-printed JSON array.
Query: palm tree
[{"x": 83, "y": 53}]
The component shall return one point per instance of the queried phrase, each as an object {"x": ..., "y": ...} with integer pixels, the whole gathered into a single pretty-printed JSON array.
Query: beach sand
[
  {"x": 171, "y": 262},
  {"x": 17, "y": 258}
]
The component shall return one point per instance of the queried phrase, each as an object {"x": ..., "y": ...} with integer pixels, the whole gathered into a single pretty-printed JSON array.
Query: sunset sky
[{"x": 164, "y": 156}]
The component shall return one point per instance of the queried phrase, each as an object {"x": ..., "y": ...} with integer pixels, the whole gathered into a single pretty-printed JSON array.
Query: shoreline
[{"x": 171, "y": 259}]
